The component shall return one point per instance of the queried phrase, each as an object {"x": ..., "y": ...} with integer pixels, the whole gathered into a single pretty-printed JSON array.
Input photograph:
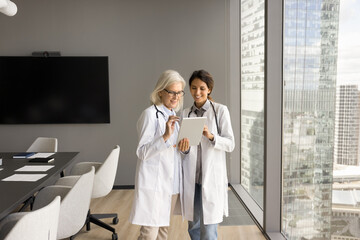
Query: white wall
[{"x": 142, "y": 38}]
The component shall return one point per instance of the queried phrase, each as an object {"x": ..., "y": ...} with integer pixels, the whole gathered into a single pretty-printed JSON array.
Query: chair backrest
[
  {"x": 44, "y": 144},
  {"x": 41, "y": 224},
  {"x": 75, "y": 206},
  {"x": 105, "y": 174},
  {"x": 75, "y": 203}
]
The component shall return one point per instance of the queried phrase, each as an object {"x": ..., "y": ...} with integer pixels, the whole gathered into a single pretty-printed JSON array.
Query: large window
[
  {"x": 252, "y": 97},
  {"x": 321, "y": 179},
  {"x": 345, "y": 222},
  {"x": 300, "y": 117},
  {"x": 310, "y": 61}
]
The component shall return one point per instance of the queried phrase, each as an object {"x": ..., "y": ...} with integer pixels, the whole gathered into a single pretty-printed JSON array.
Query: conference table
[{"x": 14, "y": 193}]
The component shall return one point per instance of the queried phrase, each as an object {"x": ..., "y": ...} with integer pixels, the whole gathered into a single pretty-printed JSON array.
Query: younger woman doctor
[
  {"x": 204, "y": 166},
  {"x": 158, "y": 170}
]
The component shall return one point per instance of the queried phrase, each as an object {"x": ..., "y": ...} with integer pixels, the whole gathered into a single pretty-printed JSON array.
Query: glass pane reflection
[{"x": 252, "y": 97}]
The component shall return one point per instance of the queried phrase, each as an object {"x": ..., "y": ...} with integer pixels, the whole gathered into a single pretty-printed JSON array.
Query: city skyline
[{"x": 310, "y": 61}]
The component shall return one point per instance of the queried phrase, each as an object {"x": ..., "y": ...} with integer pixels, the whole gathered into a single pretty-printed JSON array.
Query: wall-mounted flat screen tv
[{"x": 50, "y": 90}]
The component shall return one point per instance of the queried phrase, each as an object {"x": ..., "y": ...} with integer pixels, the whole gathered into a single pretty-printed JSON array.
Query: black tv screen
[{"x": 48, "y": 90}]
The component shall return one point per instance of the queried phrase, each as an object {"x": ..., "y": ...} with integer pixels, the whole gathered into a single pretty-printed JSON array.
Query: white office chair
[
  {"x": 75, "y": 192},
  {"x": 8, "y": 8},
  {"x": 105, "y": 174},
  {"x": 44, "y": 144},
  {"x": 41, "y": 144},
  {"x": 41, "y": 224}
]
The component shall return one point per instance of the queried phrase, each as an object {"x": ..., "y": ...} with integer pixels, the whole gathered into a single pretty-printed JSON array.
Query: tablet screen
[{"x": 192, "y": 129}]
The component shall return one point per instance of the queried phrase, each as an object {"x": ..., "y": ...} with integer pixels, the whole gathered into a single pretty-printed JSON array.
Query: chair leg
[
  {"x": 107, "y": 215},
  {"x": 29, "y": 201},
  {"x": 87, "y": 222},
  {"x": 94, "y": 218},
  {"x": 101, "y": 223}
]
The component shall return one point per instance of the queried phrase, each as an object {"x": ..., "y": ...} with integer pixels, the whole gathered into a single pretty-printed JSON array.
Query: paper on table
[
  {"x": 24, "y": 177},
  {"x": 41, "y": 155},
  {"x": 1, "y": 169},
  {"x": 33, "y": 168}
]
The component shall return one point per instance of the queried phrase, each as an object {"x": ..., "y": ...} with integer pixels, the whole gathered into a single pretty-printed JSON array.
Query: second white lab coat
[
  {"x": 214, "y": 174},
  {"x": 154, "y": 172}
]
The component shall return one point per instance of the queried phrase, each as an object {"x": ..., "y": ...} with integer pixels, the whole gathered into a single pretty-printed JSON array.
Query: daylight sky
[{"x": 349, "y": 43}]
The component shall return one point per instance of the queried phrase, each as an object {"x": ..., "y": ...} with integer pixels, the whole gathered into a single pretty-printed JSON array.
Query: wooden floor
[{"x": 120, "y": 201}]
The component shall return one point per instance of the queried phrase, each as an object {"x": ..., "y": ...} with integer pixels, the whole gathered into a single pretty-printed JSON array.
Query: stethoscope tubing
[{"x": 158, "y": 111}]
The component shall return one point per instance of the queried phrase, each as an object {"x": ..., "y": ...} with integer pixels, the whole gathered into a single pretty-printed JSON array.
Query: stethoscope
[
  {"x": 158, "y": 111},
  {"x": 216, "y": 121}
]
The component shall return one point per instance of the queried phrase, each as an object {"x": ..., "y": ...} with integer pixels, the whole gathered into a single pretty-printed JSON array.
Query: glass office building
[
  {"x": 345, "y": 220},
  {"x": 252, "y": 97},
  {"x": 347, "y": 125},
  {"x": 309, "y": 90}
]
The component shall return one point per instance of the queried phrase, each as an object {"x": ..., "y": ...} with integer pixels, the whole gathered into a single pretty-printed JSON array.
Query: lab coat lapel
[{"x": 161, "y": 122}]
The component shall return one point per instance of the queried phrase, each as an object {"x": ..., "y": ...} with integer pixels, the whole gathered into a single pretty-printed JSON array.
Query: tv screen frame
[{"x": 54, "y": 90}]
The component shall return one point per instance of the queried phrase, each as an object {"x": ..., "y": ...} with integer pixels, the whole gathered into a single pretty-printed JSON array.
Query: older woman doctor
[
  {"x": 158, "y": 170},
  {"x": 204, "y": 166}
]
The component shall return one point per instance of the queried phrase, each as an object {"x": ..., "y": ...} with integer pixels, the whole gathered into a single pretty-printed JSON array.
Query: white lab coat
[
  {"x": 154, "y": 172},
  {"x": 214, "y": 174}
]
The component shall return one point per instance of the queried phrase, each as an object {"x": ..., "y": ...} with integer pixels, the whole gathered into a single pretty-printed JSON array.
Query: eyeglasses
[{"x": 175, "y": 94}]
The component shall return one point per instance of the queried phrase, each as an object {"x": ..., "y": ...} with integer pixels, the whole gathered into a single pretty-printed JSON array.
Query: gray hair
[{"x": 166, "y": 79}]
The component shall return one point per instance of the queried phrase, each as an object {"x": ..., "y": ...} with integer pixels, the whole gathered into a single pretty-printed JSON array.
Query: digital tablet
[{"x": 192, "y": 129}]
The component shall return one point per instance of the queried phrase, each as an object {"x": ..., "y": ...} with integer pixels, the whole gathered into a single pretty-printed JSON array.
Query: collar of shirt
[
  {"x": 167, "y": 112},
  {"x": 205, "y": 107}
]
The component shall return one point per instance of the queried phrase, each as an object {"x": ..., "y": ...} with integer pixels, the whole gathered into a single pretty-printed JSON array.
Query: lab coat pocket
[
  {"x": 148, "y": 175},
  {"x": 210, "y": 199}
]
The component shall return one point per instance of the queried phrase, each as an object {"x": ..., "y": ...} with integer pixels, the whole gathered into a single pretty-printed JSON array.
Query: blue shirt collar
[{"x": 167, "y": 111}]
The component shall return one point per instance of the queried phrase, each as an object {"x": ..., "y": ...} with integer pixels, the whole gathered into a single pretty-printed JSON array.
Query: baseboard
[{"x": 117, "y": 187}]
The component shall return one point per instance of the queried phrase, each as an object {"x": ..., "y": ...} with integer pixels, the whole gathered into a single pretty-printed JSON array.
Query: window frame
[{"x": 268, "y": 219}]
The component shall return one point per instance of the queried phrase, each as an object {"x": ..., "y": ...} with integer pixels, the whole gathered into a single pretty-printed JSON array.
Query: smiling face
[
  {"x": 170, "y": 101},
  {"x": 199, "y": 91}
]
